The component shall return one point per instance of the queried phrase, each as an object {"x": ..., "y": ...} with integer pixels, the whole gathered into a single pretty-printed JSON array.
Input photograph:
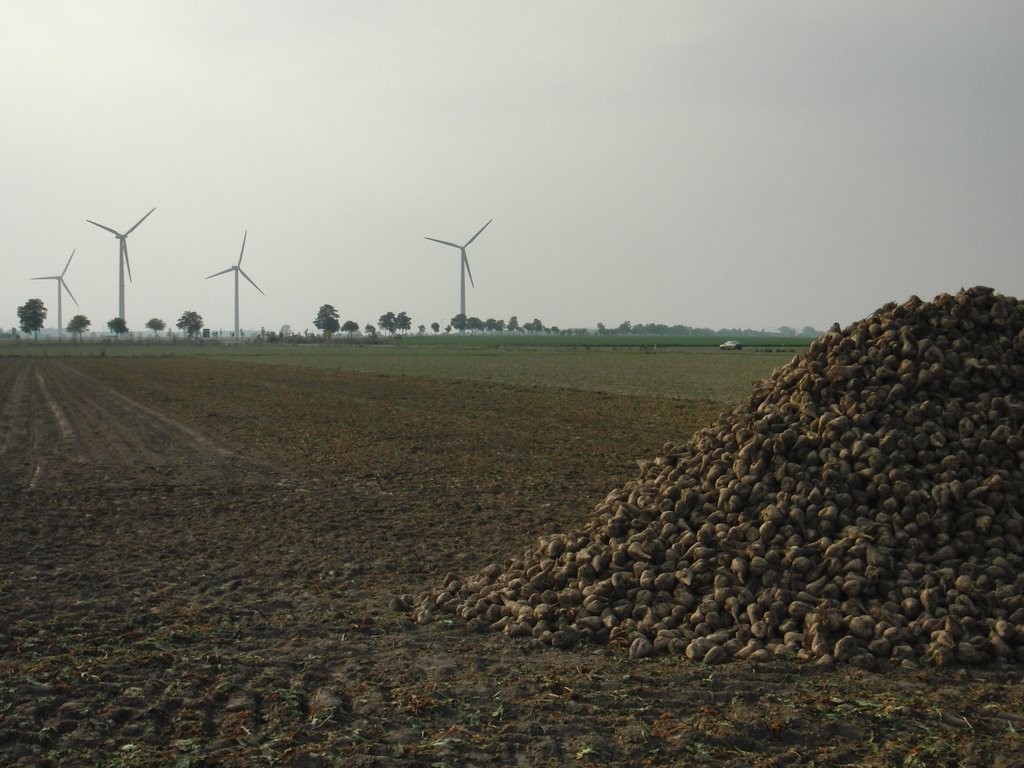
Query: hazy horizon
[{"x": 720, "y": 165}]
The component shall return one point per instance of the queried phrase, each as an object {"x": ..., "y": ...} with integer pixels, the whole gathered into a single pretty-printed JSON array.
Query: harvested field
[{"x": 203, "y": 562}]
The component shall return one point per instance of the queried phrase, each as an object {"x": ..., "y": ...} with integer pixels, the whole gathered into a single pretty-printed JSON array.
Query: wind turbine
[
  {"x": 465, "y": 265},
  {"x": 237, "y": 269},
  {"x": 123, "y": 259},
  {"x": 61, "y": 286}
]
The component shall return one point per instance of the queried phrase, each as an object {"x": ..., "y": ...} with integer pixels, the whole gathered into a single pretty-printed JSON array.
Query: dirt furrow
[
  {"x": 100, "y": 432},
  {"x": 30, "y": 426},
  {"x": 67, "y": 433},
  {"x": 15, "y": 383}
]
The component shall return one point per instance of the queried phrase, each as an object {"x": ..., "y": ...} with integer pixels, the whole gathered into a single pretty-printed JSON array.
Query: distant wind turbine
[
  {"x": 464, "y": 266},
  {"x": 61, "y": 286},
  {"x": 123, "y": 259},
  {"x": 237, "y": 269}
]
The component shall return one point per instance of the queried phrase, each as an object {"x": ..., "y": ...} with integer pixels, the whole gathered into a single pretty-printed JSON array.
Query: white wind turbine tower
[
  {"x": 237, "y": 269},
  {"x": 61, "y": 286},
  {"x": 465, "y": 266},
  {"x": 123, "y": 259}
]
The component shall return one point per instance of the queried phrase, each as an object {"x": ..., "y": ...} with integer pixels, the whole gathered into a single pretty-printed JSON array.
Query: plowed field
[{"x": 202, "y": 563}]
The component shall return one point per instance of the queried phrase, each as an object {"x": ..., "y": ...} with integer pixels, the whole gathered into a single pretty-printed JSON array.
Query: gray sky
[{"x": 707, "y": 163}]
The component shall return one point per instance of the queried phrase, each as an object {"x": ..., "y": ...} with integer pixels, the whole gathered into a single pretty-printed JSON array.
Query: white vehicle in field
[{"x": 728, "y": 345}]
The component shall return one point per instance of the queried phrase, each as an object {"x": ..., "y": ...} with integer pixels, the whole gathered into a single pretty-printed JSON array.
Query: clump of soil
[{"x": 861, "y": 507}]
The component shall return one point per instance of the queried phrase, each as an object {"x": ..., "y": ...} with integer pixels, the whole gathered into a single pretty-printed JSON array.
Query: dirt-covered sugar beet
[{"x": 863, "y": 507}]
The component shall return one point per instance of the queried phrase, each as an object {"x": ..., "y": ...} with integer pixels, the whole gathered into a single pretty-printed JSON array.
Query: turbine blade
[
  {"x": 124, "y": 253},
  {"x": 223, "y": 271},
  {"x": 104, "y": 226},
  {"x": 69, "y": 291},
  {"x": 242, "y": 273},
  {"x": 138, "y": 222},
  {"x": 242, "y": 252},
  {"x": 474, "y": 237},
  {"x": 48, "y": 277},
  {"x": 443, "y": 242},
  {"x": 69, "y": 262},
  {"x": 465, "y": 261}
]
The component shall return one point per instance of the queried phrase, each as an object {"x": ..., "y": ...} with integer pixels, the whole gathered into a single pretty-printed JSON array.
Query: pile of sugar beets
[{"x": 864, "y": 507}]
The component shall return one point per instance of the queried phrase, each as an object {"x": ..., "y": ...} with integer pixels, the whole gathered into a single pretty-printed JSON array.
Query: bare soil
[{"x": 202, "y": 564}]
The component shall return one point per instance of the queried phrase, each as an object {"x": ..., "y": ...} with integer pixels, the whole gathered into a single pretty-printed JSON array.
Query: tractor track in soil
[
  {"x": 200, "y": 575},
  {"x": 56, "y": 418}
]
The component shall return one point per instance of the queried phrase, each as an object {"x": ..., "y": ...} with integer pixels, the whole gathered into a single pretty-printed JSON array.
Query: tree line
[
  {"x": 32, "y": 315},
  {"x": 627, "y": 328},
  {"x": 328, "y": 322}
]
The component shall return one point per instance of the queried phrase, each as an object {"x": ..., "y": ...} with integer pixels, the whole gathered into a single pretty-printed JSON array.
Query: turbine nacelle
[
  {"x": 61, "y": 283},
  {"x": 61, "y": 286},
  {"x": 237, "y": 269},
  {"x": 122, "y": 238},
  {"x": 464, "y": 261}
]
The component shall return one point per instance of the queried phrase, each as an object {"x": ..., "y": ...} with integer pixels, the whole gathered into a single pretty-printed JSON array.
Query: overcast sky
[{"x": 719, "y": 164}]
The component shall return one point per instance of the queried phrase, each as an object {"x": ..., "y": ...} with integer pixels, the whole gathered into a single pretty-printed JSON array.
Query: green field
[{"x": 697, "y": 373}]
